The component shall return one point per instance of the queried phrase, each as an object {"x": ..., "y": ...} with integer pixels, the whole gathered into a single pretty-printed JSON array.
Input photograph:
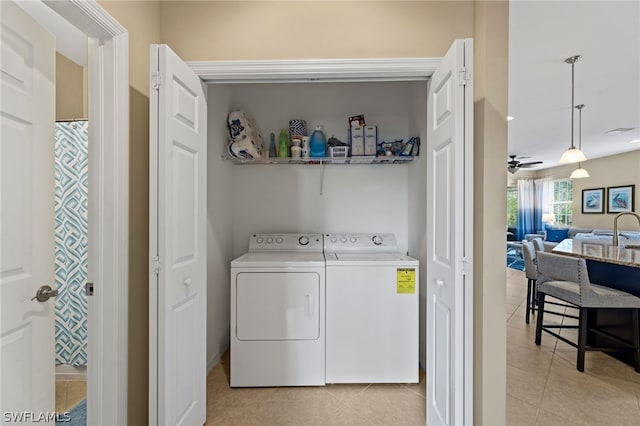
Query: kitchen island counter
[
  {"x": 613, "y": 267},
  {"x": 602, "y": 250}
]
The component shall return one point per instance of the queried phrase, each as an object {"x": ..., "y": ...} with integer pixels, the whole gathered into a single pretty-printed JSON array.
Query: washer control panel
[
  {"x": 360, "y": 242},
  {"x": 285, "y": 242}
]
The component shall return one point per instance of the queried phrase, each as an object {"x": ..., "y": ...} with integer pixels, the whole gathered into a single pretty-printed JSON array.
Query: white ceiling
[{"x": 542, "y": 34}]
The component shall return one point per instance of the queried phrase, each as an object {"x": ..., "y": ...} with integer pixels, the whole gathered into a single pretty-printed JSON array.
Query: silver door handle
[{"x": 44, "y": 293}]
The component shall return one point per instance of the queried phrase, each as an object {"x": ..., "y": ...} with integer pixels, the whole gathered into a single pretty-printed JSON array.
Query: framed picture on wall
[
  {"x": 593, "y": 200},
  {"x": 620, "y": 198}
]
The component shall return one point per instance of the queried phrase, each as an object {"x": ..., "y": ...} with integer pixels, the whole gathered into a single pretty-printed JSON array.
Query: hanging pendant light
[
  {"x": 573, "y": 154},
  {"x": 579, "y": 173}
]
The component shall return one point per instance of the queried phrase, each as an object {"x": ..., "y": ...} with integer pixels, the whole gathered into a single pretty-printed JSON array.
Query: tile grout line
[
  {"x": 553, "y": 357},
  {"x": 343, "y": 402},
  {"x": 348, "y": 404},
  {"x": 413, "y": 391}
]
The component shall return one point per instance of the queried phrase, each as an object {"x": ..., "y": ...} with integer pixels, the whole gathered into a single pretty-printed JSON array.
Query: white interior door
[
  {"x": 449, "y": 239},
  {"x": 27, "y": 115},
  {"x": 177, "y": 323}
]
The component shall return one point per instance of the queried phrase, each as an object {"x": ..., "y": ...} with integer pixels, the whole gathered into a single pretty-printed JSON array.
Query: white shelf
[{"x": 325, "y": 160}]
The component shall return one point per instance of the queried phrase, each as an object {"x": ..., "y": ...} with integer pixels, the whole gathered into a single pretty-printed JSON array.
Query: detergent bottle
[
  {"x": 283, "y": 144},
  {"x": 318, "y": 143}
]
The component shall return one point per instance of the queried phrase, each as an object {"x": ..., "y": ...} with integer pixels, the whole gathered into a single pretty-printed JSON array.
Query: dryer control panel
[
  {"x": 360, "y": 242},
  {"x": 286, "y": 242}
]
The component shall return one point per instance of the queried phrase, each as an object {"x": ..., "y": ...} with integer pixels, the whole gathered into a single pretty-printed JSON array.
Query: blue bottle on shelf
[
  {"x": 272, "y": 146},
  {"x": 317, "y": 143}
]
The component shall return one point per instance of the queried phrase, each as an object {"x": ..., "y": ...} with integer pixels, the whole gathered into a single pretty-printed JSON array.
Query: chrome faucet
[{"x": 615, "y": 225}]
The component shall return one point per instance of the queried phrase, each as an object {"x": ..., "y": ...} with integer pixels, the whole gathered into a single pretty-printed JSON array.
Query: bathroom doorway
[
  {"x": 71, "y": 147},
  {"x": 71, "y": 252},
  {"x": 107, "y": 51}
]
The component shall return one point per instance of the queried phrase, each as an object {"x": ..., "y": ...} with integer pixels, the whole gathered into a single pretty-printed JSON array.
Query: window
[
  {"x": 512, "y": 206},
  {"x": 563, "y": 202}
]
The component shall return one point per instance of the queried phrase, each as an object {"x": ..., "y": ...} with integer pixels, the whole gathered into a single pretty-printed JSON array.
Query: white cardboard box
[
  {"x": 370, "y": 140},
  {"x": 356, "y": 135}
]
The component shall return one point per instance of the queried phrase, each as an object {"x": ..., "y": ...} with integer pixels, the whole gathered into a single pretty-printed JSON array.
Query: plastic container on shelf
[
  {"x": 338, "y": 151},
  {"x": 318, "y": 143},
  {"x": 283, "y": 144},
  {"x": 273, "y": 152}
]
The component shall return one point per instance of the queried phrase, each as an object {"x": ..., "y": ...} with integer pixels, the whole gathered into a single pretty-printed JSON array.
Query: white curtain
[
  {"x": 535, "y": 197},
  {"x": 545, "y": 187},
  {"x": 526, "y": 207}
]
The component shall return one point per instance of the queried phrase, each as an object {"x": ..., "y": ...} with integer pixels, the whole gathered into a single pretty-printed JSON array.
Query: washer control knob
[
  {"x": 279, "y": 240},
  {"x": 303, "y": 240},
  {"x": 334, "y": 239},
  {"x": 259, "y": 240},
  {"x": 269, "y": 240},
  {"x": 343, "y": 239},
  {"x": 377, "y": 240},
  {"x": 353, "y": 239}
]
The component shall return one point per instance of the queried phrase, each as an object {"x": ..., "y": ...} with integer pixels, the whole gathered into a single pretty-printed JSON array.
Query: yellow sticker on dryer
[{"x": 406, "y": 281}]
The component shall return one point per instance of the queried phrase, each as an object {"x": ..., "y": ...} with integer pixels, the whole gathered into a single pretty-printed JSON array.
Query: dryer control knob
[
  {"x": 353, "y": 239},
  {"x": 377, "y": 240},
  {"x": 269, "y": 240},
  {"x": 334, "y": 239},
  {"x": 343, "y": 239},
  {"x": 279, "y": 240},
  {"x": 303, "y": 240},
  {"x": 259, "y": 240}
]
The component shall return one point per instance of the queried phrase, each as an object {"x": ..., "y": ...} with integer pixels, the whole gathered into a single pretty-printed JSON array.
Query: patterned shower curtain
[{"x": 71, "y": 175}]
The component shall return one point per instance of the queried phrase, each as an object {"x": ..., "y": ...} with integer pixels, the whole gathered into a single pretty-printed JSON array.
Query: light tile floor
[
  {"x": 543, "y": 385},
  {"x": 366, "y": 404},
  {"x": 543, "y": 388},
  {"x": 69, "y": 393}
]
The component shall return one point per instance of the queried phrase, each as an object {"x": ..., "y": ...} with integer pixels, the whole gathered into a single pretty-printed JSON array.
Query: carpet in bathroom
[{"x": 77, "y": 416}]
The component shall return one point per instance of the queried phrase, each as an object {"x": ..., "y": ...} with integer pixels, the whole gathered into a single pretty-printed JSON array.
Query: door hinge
[
  {"x": 463, "y": 76},
  {"x": 88, "y": 289},
  {"x": 155, "y": 265},
  {"x": 464, "y": 266},
  {"x": 156, "y": 80}
]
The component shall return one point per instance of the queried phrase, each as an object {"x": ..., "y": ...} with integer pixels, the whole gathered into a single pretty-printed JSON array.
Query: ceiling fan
[{"x": 514, "y": 165}]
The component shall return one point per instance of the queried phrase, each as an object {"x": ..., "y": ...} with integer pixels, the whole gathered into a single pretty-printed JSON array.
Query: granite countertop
[{"x": 601, "y": 249}]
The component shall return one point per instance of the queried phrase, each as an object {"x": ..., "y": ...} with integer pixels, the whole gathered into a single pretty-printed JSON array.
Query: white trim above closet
[{"x": 303, "y": 70}]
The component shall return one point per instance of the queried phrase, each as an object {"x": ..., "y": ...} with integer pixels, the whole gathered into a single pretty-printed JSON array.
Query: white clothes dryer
[
  {"x": 278, "y": 313},
  {"x": 372, "y": 310}
]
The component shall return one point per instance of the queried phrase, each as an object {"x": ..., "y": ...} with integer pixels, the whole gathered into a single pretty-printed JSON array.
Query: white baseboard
[{"x": 71, "y": 372}]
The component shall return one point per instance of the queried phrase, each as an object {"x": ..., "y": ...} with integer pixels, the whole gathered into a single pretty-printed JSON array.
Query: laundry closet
[
  {"x": 317, "y": 198},
  {"x": 244, "y": 198}
]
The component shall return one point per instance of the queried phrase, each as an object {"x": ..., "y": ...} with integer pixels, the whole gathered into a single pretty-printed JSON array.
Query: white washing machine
[
  {"x": 372, "y": 310},
  {"x": 278, "y": 313}
]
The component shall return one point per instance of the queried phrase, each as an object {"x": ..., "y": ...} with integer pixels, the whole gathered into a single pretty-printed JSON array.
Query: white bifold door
[
  {"x": 178, "y": 240},
  {"x": 177, "y": 305},
  {"x": 450, "y": 239},
  {"x": 27, "y": 117}
]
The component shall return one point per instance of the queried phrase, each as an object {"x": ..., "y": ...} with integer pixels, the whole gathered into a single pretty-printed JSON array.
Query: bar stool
[
  {"x": 538, "y": 244},
  {"x": 531, "y": 272},
  {"x": 529, "y": 254},
  {"x": 566, "y": 278}
]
